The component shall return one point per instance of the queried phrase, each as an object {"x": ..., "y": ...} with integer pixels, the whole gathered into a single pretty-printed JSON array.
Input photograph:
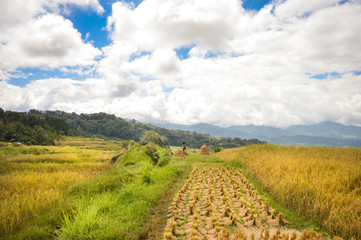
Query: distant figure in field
[{"x": 184, "y": 147}]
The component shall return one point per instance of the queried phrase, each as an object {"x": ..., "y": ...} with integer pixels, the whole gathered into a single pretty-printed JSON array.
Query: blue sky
[{"x": 275, "y": 63}]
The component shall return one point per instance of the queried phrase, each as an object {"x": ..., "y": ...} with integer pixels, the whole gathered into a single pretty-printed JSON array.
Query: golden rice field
[
  {"x": 220, "y": 203},
  {"x": 323, "y": 183},
  {"x": 33, "y": 179}
]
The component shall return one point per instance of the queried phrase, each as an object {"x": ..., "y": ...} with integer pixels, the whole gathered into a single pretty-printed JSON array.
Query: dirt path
[{"x": 158, "y": 215}]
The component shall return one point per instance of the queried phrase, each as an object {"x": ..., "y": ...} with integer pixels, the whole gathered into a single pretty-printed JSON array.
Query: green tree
[
  {"x": 43, "y": 136},
  {"x": 3, "y": 130},
  {"x": 152, "y": 136},
  {"x": 60, "y": 125},
  {"x": 217, "y": 149}
]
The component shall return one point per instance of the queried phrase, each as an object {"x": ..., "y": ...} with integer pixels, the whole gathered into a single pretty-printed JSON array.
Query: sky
[{"x": 263, "y": 62}]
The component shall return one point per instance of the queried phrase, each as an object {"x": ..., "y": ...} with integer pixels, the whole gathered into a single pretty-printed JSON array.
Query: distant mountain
[
  {"x": 327, "y": 129},
  {"x": 325, "y": 133},
  {"x": 262, "y": 131},
  {"x": 205, "y": 129}
]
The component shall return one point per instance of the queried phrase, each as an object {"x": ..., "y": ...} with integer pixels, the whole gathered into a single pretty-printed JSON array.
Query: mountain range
[{"x": 324, "y": 133}]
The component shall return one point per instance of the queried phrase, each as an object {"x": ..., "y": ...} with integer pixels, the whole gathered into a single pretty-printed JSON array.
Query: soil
[{"x": 154, "y": 229}]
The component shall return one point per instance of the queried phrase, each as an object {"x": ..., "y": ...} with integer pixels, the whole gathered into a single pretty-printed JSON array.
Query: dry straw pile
[
  {"x": 204, "y": 150},
  {"x": 180, "y": 153}
]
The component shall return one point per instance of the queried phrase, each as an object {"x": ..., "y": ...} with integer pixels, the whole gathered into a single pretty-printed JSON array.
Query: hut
[{"x": 204, "y": 150}]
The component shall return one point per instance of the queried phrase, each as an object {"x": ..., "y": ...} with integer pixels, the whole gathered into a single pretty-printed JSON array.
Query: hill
[{"x": 115, "y": 127}]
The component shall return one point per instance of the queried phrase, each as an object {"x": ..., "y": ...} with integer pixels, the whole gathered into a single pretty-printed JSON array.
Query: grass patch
[
  {"x": 34, "y": 182},
  {"x": 118, "y": 214},
  {"x": 117, "y": 204},
  {"x": 71, "y": 191}
]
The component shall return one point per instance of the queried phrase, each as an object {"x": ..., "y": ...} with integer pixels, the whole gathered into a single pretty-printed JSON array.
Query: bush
[
  {"x": 152, "y": 152},
  {"x": 149, "y": 153},
  {"x": 146, "y": 173},
  {"x": 151, "y": 136},
  {"x": 218, "y": 149}
]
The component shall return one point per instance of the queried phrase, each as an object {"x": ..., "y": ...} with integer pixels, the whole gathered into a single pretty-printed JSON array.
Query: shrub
[
  {"x": 146, "y": 173},
  {"x": 151, "y": 136},
  {"x": 152, "y": 152},
  {"x": 149, "y": 153},
  {"x": 218, "y": 149}
]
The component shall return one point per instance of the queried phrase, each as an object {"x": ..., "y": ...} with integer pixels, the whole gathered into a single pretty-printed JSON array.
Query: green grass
[
  {"x": 14, "y": 150},
  {"x": 118, "y": 213},
  {"x": 116, "y": 205},
  {"x": 55, "y": 191},
  {"x": 94, "y": 143}
]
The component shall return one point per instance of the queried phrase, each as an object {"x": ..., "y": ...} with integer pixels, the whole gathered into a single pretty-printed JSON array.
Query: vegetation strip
[
  {"x": 120, "y": 213},
  {"x": 158, "y": 215}
]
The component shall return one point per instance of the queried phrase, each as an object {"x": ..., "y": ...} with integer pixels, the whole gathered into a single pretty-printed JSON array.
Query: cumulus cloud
[
  {"x": 50, "y": 41},
  {"x": 294, "y": 8},
  {"x": 172, "y": 24},
  {"x": 34, "y": 35},
  {"x": 262, "y": 63},
  {"x": 243, "y": 67},
  {"x": 15, "y": 12},
  {"x": 142, "y": 102}
]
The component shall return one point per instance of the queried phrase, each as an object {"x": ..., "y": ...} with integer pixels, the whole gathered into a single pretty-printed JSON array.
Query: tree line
[
  {"x": 31, "y": 128},
  {"x": 108, "y": 125},
  {"x": 115, "y": 127}
]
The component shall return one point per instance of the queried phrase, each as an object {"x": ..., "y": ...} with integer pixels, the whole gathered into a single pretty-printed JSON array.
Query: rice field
[
  {"x": 322, "y": 183},
  {"x": 33, "y": 179},
  {"x": 57, "y": 184},
  {"x": 220, "y": 203}
]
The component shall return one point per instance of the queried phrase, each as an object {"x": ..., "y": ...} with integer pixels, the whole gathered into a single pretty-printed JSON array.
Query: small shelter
[{"x": 204, "y": 150}]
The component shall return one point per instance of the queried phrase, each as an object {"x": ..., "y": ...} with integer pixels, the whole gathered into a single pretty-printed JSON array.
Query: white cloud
[
  {"x": 267, "y": 82},
  {"x": 170, "y": 24},
  {"x": 15, "y": 12},
  {"x": 296, "y": 8},
  {"x": 142, "y": 102},
  {"x": 49, "y": 41},
  {"x": 261, "y": 74},
  {"x": 34, "y": 35}
]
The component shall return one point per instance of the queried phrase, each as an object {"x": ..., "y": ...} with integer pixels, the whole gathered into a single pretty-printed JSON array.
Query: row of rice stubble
[{"x": 220, "y": 203}]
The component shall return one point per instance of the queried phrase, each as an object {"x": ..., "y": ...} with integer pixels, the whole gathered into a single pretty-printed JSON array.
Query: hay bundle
[
  {"x": 123, "y": 151},
  {"x": 115, "y": 158},
  {"x": 180, "y": 153},
  {"x": 204, "y": 150}
]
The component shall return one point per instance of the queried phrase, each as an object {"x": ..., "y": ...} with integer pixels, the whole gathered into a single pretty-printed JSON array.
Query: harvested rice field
[{"x": 220, "y": 203}]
